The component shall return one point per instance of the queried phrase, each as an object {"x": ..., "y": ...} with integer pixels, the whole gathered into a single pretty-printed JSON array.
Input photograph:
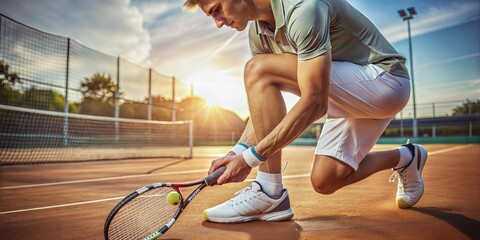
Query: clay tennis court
[{"x": 72, "y": 200}]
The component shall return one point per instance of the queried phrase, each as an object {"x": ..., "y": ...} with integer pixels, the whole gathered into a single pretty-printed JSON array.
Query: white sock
[
  {"x": 405, "y": 157},
  {"x": 271, "y": 183}
]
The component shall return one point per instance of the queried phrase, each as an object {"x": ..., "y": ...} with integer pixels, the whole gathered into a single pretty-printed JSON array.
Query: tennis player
[{"x": 341, "y": 66}]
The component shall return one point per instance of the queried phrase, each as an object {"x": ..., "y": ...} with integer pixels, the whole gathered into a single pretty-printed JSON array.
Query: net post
[
  {"x": 117, "y": 99},
  {"x": 149, "y": 114},
  {"x": 190, "y": 136},
  {"x": 66, "y": 107},
  {"x": 174, "y": 117}
]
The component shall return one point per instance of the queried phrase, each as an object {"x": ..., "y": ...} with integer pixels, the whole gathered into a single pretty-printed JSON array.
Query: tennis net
[{"x": 38, "y": 136}]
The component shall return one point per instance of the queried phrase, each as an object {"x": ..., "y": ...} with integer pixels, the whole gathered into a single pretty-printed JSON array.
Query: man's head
[
  {"x": 190, "y": 4},
  {"x": 231, "y": 13}
]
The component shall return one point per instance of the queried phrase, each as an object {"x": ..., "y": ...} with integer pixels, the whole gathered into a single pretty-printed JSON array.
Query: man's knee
[
  {"x": 323, "y": 185},
  {"x": 255, "y": 70},
  {"x": 328, "y": 174}
]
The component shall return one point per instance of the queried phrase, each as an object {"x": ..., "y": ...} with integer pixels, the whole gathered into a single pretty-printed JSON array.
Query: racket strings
[{"x": 143, "y": 215}]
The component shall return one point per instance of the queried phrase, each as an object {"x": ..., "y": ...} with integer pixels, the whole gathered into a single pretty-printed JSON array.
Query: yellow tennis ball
[{"x": 174, "y": 198}]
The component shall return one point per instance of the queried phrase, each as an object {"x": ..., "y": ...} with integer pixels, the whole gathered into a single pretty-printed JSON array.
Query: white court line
[
  {"x": 248, "y": 180},
  {"x": 62, "y": 205},
  {"x": 448, "y": 149}
]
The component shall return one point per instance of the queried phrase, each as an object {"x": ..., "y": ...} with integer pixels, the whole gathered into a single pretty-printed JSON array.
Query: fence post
[
  {"x": 66, "y": 107},
  {"x": 117, "y": 100},
  {"x": 319, "y": 131},
  {"x": 434, "y": 126},
  {"x": 470, "y": 127},
  {"x": 401, "y": 123},
  {"x": 174, "y": 117},
  {"x": 149, "y": 114},
  {"x": 192, "y": 113}
]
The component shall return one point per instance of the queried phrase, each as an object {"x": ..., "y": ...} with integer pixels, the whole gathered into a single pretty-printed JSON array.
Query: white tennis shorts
[{"x": 362, "y": 102}]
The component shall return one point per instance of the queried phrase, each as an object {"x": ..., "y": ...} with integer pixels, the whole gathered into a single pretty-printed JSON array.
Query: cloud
[
  {"x": 186, "y": 43},
  {"x": 449, "y": 60},
  {"x": 225, "y": 44},
  {"x": 435, "y": 18},
  {"x": 152, "y": 9},
  {"x": 114, "y": 27}
]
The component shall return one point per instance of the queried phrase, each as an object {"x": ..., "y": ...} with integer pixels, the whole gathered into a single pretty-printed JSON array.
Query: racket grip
[{"x": 212, "y": 178}]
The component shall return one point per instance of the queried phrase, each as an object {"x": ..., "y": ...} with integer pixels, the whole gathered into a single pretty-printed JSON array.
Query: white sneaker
[
  {"x": 410, "y": 182},
  {"x": 250, "y": 204}
]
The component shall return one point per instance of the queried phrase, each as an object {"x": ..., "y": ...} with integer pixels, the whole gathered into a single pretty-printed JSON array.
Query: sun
[{"x": 217, "y": 87}]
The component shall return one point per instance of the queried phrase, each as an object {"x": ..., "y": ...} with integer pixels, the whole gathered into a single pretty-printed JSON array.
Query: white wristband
[
  {"x": 239, "y": 148},
  {"x": 252, "y": 158}
]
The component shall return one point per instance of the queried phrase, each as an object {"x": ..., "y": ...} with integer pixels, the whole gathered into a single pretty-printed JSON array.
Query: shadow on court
[
  {"x": 259, "y": 229},
  {"x": 166, "y": 166},
  {"x": 469, "y": 227}
]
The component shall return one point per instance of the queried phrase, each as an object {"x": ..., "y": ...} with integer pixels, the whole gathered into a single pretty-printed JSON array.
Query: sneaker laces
[
  {"x": 242, "y": 195},
  {"x": 393, "y": 177},
  {"x": 397, "y": 174}
]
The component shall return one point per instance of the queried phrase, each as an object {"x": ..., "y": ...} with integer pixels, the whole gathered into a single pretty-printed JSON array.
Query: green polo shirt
[{"x": 310, "y": 28}]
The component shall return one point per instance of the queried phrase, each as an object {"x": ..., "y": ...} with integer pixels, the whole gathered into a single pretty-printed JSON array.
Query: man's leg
[
  {"x": 363, "y": 100},
  {"x": 265, "y": 77},
  {"x": 330, "y": 174}
]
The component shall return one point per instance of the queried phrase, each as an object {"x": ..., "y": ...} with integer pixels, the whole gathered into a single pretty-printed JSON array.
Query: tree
[
  {"x": 98, "y": 93},
  {"x": 468, "y": 107},
  {"x": 45, "y": 99},
  {"x": 99, "y": 87},
  {"x": 137, "y": 110},
  {"x": 7, "y": 79}
]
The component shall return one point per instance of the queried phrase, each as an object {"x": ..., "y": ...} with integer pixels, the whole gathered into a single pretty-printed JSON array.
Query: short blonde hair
[{"x": 190, "y": 4}]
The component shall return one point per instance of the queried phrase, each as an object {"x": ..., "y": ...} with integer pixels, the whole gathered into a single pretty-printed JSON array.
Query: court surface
[{"x": 72, "y": 200}]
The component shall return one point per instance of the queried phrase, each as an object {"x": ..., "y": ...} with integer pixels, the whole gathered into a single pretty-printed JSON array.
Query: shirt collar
[{"x": 277, "y": 9}]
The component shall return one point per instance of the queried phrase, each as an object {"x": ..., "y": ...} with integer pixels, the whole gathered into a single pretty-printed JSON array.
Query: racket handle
[{"x": 212, "y": 178}]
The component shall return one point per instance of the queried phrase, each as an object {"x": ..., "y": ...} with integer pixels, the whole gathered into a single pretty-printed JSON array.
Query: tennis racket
[{"x": 146, "y": 212}]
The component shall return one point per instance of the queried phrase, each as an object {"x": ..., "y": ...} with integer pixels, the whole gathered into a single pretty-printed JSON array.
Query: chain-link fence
[
  {"x": 56, "y": 73},
  {"x": 63, "y": 101}
]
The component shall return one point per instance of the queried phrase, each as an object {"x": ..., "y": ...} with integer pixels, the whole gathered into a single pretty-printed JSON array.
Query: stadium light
[
  {"x": 407, "y": 15},
  {"x": 412, "y": 11}
]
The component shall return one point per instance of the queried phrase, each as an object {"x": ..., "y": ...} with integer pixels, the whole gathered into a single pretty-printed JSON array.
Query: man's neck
[{"x": 263, "y": 11}]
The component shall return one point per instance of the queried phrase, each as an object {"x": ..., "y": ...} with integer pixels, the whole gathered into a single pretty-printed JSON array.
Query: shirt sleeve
[{"x": 308, "y": 28}]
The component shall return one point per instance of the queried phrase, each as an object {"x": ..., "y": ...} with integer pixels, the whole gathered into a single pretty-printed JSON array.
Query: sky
[{"x": 161, "y": 35}]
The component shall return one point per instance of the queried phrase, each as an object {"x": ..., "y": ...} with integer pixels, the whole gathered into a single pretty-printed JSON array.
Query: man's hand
[{"x": 237, "y": 168}]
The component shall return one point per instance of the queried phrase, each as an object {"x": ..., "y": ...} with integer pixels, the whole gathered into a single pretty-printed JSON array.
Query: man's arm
[
  {"x": 314, "y": 82},
  {"x": 247, "y": 139},
  {"x": 248, "y": 136}
]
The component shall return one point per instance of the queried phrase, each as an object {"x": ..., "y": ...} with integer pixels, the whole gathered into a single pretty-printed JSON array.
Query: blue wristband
[{"x": 263, "y": 159}]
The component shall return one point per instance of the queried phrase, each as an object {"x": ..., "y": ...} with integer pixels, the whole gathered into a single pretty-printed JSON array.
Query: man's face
[{"x": 231, "y": 13}]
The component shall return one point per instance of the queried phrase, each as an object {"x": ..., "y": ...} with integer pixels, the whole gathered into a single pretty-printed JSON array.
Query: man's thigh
[
  {"x": 277, "y": 69},
  {"x": 358, "y": 91},
  {"x": 350, "y": 139}
]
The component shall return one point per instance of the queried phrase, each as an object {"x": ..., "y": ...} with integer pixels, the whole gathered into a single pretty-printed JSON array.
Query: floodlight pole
[
  {"x": 408, "y": 17},
  {"x": 415, "y": 123}
]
